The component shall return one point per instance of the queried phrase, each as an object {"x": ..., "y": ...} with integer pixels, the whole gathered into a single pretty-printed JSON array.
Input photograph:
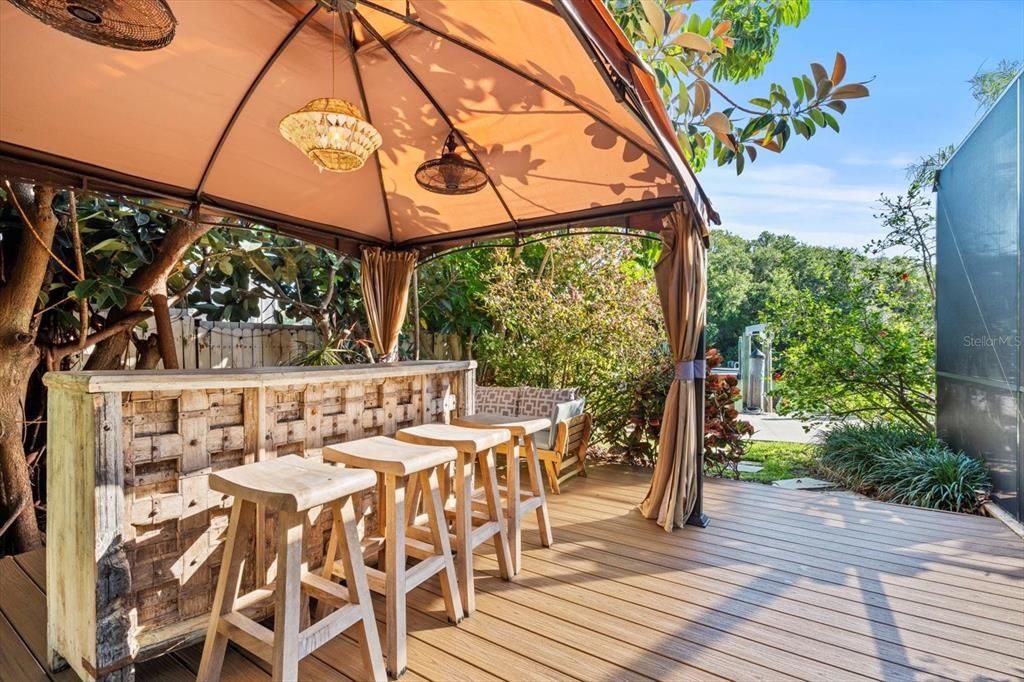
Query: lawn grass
[{"x": 780, "y": 460}]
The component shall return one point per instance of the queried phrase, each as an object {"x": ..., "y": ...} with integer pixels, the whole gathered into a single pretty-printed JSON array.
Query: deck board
[{"x": 782, "y": 585}]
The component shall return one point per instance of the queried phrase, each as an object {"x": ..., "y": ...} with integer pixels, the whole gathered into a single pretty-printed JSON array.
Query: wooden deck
[{"x": 782, "y": 585}]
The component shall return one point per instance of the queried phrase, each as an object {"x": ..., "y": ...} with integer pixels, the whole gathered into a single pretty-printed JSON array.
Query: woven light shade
[
  {"x": 332, "y": 133},
  {"x": 125, "y": 24}
]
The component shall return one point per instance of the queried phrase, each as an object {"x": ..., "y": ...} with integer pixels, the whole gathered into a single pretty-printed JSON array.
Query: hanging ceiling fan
[{"x": 125, "y": 24}]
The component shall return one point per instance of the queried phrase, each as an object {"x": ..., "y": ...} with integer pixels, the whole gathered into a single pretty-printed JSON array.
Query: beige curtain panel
[
  {"x": 682, "y": 287},
  {"x": 385, "y": 277}
]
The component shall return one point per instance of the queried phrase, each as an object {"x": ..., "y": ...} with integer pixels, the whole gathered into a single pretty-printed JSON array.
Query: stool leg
[
  {"x": 358, "y": 589},
  {"x": 464, "y": 529},
  {"x": 394, "y": 570},
  {"x": 323, "y": 608},
  {"x": 287, "y": 593},
  {"x": 490, "y": 473},
  {"x": 515, "y": 530},
  {"x": 240, "y": 532},
  {"x": 537, "y": 488},
  {"x": 430, "y": 486}
]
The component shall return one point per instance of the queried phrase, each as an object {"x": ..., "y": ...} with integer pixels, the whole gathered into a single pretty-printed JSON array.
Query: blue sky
[{"x": 921, "y": 53}]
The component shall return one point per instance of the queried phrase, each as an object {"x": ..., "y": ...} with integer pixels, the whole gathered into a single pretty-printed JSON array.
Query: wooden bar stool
[
  {"x": 419, "y": 466},
  {"x": 291, "y": 486},
  {"x": 472, "y": 445},
  {"x": 517, "y": 502}
]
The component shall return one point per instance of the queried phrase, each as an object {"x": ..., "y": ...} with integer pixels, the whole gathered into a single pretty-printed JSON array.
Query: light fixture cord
[{"x": 334, "y": 32}]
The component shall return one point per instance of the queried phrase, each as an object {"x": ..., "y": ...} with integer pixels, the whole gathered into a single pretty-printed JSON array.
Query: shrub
[
  {"x": 934, "y": 477},
  {"x": 849, "y": 451}
]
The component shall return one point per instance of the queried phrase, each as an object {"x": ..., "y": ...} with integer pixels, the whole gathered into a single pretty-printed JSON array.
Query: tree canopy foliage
[{"x": 695, "y": 58}]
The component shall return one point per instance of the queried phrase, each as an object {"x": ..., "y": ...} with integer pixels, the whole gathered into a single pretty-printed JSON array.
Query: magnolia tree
[{"x": 695, "y": 59}]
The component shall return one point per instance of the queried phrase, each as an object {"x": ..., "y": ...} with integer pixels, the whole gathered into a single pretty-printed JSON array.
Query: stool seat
[
  {"x": 518, "y": 426},
  {"x": 291, "y": 483},
  {"x": 461, "y": 438},
  {"x": 389, "y": 456}
]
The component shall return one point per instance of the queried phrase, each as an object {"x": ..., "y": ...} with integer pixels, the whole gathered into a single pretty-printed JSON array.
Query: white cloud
[
  {"x": 892, "y": 161},
  {"x": 808, "y": 201}
]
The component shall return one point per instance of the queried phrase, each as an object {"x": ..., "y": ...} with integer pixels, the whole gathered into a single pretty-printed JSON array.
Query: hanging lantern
[
  {"x": 332, "y": 133},
  {"x": 126, "y": 24},
  {"x": 451, "y": 174}
]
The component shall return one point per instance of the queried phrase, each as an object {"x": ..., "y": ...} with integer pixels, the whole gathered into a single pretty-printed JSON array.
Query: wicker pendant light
[
  {"x": 331, "y": 132},
  {"x": 451, "y": 174},
  {"x": 126, "y": 24}
]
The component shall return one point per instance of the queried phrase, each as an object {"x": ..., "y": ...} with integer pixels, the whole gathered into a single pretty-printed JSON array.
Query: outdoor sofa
[{"x": 562, "y": 448}]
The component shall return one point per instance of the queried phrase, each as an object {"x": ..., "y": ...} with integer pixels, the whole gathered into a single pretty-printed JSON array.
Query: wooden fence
[{"x": 228, "y": 345}]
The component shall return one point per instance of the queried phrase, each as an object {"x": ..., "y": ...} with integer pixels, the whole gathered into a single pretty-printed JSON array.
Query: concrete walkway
[{"x": 778, "y": 428}]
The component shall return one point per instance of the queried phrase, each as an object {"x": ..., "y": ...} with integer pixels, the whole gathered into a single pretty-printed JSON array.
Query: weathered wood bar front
[{"x": 134, "y": 532}]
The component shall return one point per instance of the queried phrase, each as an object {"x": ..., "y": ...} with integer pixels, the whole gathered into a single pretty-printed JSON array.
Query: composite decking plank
[
  {"x": 709, "y": 629},
  {"x": 843, "y": 647},
  {"x": 866, "y": 588},
  {"x": 755, "y": 600},
  {"x": 868, "y": 515},
  {"x": 970, "y": 566},
  {"x": 561, "y": 660},
  {"x": 812, "y": 584},
  {"x": 24, "y": 606},
  {"x": 922, "y": 585},
  {"x": 430, "y": 661},
  {"x": 1000, "y": 581},
  {"x": 886, "y": 531},
  {"x": 800, "y": 500},
  {"x": 592, "y": 635},
  {"x": 478, "y": 642},
  {"x": 17, "y": 663},
  {"x": 236, "y": 665}
]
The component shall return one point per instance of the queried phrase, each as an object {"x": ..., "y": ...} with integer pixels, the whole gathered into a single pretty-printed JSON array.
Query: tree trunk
[
  {"x": 19, "y": 356},
  {"x": 150, "y": 279},
  {"x": 164, "y": 328}
]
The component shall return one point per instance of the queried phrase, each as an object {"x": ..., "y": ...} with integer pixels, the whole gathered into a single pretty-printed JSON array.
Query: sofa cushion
[
  {"x": 499, "y": 400},
  {"x": 540, "y": 402},
  {"x": 562, "y": 411}
]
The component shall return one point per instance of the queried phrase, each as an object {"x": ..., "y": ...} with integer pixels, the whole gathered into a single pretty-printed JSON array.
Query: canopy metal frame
[{"x": 26, "y": 163}]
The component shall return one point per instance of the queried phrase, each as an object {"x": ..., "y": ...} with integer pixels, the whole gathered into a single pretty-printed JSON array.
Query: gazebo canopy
[{"x": 547, "y": 94}]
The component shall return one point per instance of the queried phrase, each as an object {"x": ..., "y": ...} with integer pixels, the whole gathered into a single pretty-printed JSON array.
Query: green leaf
[
  {"x": 818, "y": 117},
  {"x": 226, "y": 267},
  {"x": 761, "y": 102},
  {"x": 798, "y": 88},
  {"x": 112, "y": 244},
  {"x": 808, "y": 87},
  {"x": 831, "y": 121}
]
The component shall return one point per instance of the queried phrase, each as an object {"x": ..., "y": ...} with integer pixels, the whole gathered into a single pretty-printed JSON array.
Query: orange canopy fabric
[{"x": 554, "y": 104}]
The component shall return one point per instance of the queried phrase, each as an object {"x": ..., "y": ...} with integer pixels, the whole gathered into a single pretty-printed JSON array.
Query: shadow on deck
[{"x": 782, "y": 585}]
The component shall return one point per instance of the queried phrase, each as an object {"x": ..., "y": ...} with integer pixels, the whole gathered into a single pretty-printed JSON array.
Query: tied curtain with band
[
  {"x": 385, "y": 277},
  {"x": 681, "y": 276}
]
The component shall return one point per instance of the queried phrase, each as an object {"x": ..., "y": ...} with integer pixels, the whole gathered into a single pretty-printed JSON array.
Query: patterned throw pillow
[
  {"x": 540, "y": 402},
  {"x": 499, "y": 400}
]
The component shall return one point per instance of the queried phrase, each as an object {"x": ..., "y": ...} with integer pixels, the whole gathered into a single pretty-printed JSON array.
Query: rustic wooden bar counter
[{"x": 134, "y": 532}]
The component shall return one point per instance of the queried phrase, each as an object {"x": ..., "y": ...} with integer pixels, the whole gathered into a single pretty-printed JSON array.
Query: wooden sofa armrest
[{"x": 567, "y": 458}]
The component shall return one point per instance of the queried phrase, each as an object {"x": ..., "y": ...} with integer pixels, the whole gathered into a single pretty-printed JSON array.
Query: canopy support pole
[{"x": 698, "y": 517}]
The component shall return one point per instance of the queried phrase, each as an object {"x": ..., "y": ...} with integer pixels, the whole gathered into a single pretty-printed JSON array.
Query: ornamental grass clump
[
  {"x": 848, "y": 452},
  {"x": 934, "y": 477}
]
